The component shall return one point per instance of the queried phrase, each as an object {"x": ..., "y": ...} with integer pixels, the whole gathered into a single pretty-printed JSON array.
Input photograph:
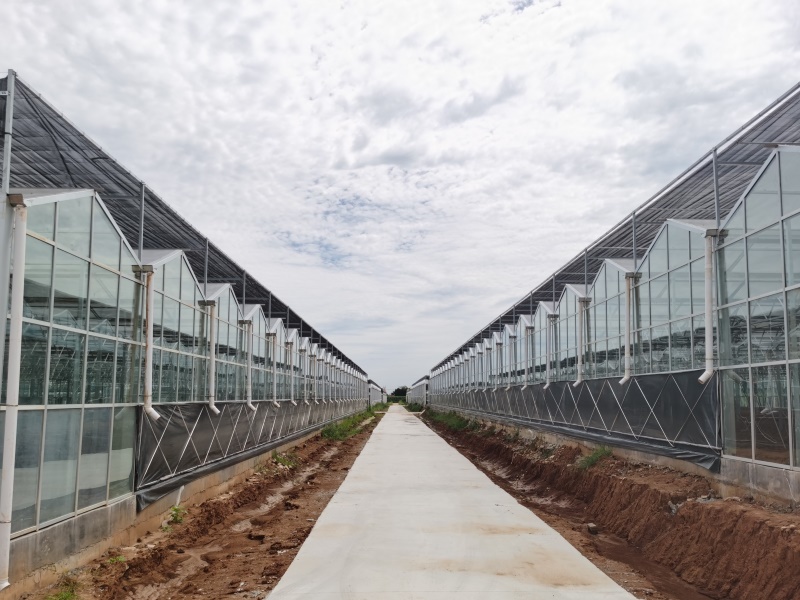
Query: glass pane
[
  {"x": 678, "y": 246},
  {"x": 681, "y": 345},
  {"x": 41, "y": 219},
  {"x": 100, "y": 371},
  {"x": 762, "y": 205},
  {"x": 659, "y": 300},
  {"x": 765, "y": 268},
  {"x": 658, "y": 255},
  {"x": 169, "y": 377},
  {"x": 642, "y": 295},
  {"x": 95, "y": 445},
  {"x": 184, "y": 385},
  {"x": 790, "y": 181},
  {"x": 736, "y": 417},
  {"x": 698, "y": 245},
  {"x": 614, "y": 317},
  {"x": 128, "y": 261},
  {"x": 187, "y": 328},
  {"x": 33, "y": 366},
  {"x": 794, "y": 375},
  {"x": 66, "y": 367},
  {"x": 124, "y": 437},
  {"x": 200, "y": 379},
  {"x": 698, "y": 286},
  {"x": 732, "y": 273},
  {"x": 733, "y": 331},
  {"x": 158, "y": 305},
  {"x": 233, "y": 315},
  {"x": 70, "y": 290},
  {"x": 771, "y": 415},
  {"x": 172, "y": 278},
  {"x": 38, "y": 273},
  {"x": 103, "y": 301},
  {"x": 599, "y": 314},
  {"x": 188, "y": 287},
  {"x": 659, "y": 349},
  {"x": 130, "y": 307},
  {"x": 74, "y": 220},
  {"x": 128, "y": 373},
  {"x": 105, "y": 239},
  {"x": 60, "y": 468},
  {"x": 791, "y": 249},
  {"x": 171, "y": 323},
  {"x": 223, "y": 306},
  {"x": 734, "y": 228},
  {"x": 767, "y": 330},
  {"x": 26, "y": 469},
  {"x": 680, "y": 292}
]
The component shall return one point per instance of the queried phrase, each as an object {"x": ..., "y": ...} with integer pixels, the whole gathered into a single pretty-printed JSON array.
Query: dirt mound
[{"x": 723, "y": 548}]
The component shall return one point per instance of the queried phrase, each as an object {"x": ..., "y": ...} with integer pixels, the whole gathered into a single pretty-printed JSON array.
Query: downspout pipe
[
  {"x": 709, "y": 308},
  {"x": 12, "y": 390},
  {"x": 149, "y": 283},
  {"x": 249, "y": 390},
  {"x": 275, "y": 372},
  {"x": 212, "y": 355},
  {"x": 292, "y": 378},
  {"x": 582, "y": 305},
  {"x": 628, "y": 293},
  {"x": 550, "y": 324}
]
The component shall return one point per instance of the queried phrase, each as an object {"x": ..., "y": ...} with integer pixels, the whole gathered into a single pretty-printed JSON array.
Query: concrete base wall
[
  {"x": 40, "y": 558},
  {"x": 771, "y": 485}
]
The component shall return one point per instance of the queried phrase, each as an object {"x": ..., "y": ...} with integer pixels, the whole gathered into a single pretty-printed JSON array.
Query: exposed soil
[
  {"x": 237, "y": 545},
  {"x": 662, "y": 534}
]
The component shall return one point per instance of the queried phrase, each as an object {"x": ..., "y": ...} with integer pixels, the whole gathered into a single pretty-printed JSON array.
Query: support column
[
  {"x": 212, "y": 354},
  {"x": 248, "y": 325},
  {"x": 709, "y": 308},
  {"x": 583, "y": 304},
  {"x": 148, "y": 344}
]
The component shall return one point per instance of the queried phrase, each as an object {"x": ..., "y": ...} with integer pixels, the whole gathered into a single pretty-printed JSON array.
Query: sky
[{"x": 402, "y": 172}]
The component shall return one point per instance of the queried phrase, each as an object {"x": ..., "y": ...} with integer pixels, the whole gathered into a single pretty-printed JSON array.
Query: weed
[
  {"x": 166, "y": 528},
  {"x": 341, "y": 430},
  {"x": 587, "y": 462},
  {"x": 287, "y": 459},
  {"x": 414, "y": 407},
  {"x": 546, "y": 451},
  {"x": 67, "y": 590},
  {"x": 117, "y": 559},
  {"x": 451, "y": 420},
  {"x": 380, "y": 407},
  {"x": 176, "y": 514}
]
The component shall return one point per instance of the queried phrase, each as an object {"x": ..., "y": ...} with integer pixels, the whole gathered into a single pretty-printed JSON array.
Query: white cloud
[{"x": 401, "y": 172}]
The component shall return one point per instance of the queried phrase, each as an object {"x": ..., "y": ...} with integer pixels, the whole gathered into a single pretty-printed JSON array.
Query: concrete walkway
[{"x": 415, "y": 520}]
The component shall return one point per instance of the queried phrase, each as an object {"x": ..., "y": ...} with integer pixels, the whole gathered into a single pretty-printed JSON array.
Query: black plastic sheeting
[
  {"x": 189, "y": 441},
  {"x": 668, "y": 414}
]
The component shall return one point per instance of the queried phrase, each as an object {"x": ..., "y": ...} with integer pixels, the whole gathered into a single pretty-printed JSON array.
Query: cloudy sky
[{"x": 401, "y": 172}]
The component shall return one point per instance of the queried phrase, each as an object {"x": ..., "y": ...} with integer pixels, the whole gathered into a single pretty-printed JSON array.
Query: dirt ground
[
  {"x": 661, "y": 534},
  {"x": 237, "y": 545}
]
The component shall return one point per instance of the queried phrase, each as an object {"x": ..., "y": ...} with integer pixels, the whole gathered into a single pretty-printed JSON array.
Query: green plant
[
  {"x": 414, "y": 407},
  {"x": 117, "y": 559},
  {"x": 451, "y": 420},
  {"x": 67, "y": 590},
  {"x": 176, "y": 514},
  {"x": 587, "y": 462},
  {"x": 347, "y": 427},
  {"x": 166, "y": 528},
  {"x": 288, "y": 459}
]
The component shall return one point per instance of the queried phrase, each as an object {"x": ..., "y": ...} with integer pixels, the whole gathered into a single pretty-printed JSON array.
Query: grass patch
[
  {"x": 67, "y": 590},
  {"x": 587, "y": 462},
  {"x": 117, "y": 559},
  {"x": 176, "y": 514},
  {"x": 380, "y": 407},
  {"x": 414, "y": 407},
  {"x": 341, "y": 430},
  {"x": 287, "y": 459},
  {"x": 451, "y": 420}
]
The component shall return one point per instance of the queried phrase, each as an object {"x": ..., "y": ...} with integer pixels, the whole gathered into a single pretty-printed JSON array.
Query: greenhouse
[
  {"x": 138, "y": 357},
  {"x": 616, "y": 347}
]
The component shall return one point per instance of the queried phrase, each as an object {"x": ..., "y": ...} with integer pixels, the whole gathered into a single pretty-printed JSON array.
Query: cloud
[{"x": 400, "y": 173}]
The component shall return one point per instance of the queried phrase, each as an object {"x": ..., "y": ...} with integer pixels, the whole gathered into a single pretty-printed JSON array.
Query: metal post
[
  {"x": 212, "y": 357},
  {"x": 582, "y": 302},
  {"x": 205, "y": 272},
  {"x": 709, "y": 308},
  {"x": 149, "y": 284},
  {"x": 249, "y": 333},
  {"x": 12, "y": 391},
  {"x": 633, "y": 232},
  {"x": 628, "y": 293},
  {"x": 716, "y": 186},
  {"x": 141, "y": 218}
]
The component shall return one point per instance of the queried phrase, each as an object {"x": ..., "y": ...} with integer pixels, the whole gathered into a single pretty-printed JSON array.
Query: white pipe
[
  {"x": 274, "y": 371},
  {"x": 628, "y": 294},
  {"x": 212, "y": 358},
  {"x": 581, "y": 308},
  {"x": 303, "y": 378},
  {"x": 549, "y": 325},
  {"x": 249, "y": 333},
  {"x": 316, "y": 376},
  {"x": 703, "y": 379},
  {"x": 12, "y": 390},
  {"x": 290, "y": 350},
  {"x": 148, "y": 346}
]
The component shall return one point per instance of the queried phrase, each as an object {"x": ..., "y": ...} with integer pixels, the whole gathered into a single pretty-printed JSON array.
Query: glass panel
[
  {"x": 128, "y": 373},
  {"x": 658, "y": 255},
  {"x": 790, "y": 181},
  {"x": 791, "y": 248},
  {"x": 130, "y": 306},
  {"x": 187, "y": 328},
  {"x": 121, "y": 480},
  {"x": 74, "y": 220},
  {"x": 100, "y": 369},
  {"x": 733, "y": 332},
  {"x": 38, "y": 273},
  {"x": 765, "y": 268},
  {"x": 793, "y": 316},
  {"x": 698, "y": 245},
  {"x": 184, "y": 387},
  {"x": 33, "y": 365},
  {"x": 659, "y": 349},
  {"x": 200, "y": 379},
  {"x": 66, "y": 367},
  {"x": 70, "y": 290},
  {"x": 612, "y": 282},
  {"x": 794, "y": 375},
  {"x": 26, "y": 469},
  {"x": 233, "y": 315},
  {"x": 678, "y": 246},
  {"x": 732, "y": 273},
  {"x": 158, "y": 330},
  {"x": 643, "y": 354},
  {"x": 613, "y": 315},
  {"x": 188, "y": 287},
  {"x": 41, "y": 219},
  {"x": 105, "y": 239},
  {"x": 680, "y": 292},
  {"x": 599, "y": 314},
  {"x": 103, "y": 301},
  {"x": 128, "y": 261},
  {"x": 95, "y": 444},
  {"x": 171, "y": 323},
  {"x": 643, "y": 304},
  {"x": 698, "y": 286},
  {"x": 767, "y": 330},
  {"x": 762, "y": 204},
  {"x": 681, "y": 345},
  {"x": 172, "y": 277},
  {"x": 169, "y": 377},
  {"x": 736, "y": 417},
  {"x": 734, "y": 228},
  {"x": 659, "y": 300},
  {"x": 771, "y": 417},
  {"x": 60, "y": 468},
  {"x": 699, "y": 341}
]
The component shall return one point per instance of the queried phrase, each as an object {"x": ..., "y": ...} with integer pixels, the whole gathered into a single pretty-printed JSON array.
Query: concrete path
[{"x": 415, "y": 520}]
